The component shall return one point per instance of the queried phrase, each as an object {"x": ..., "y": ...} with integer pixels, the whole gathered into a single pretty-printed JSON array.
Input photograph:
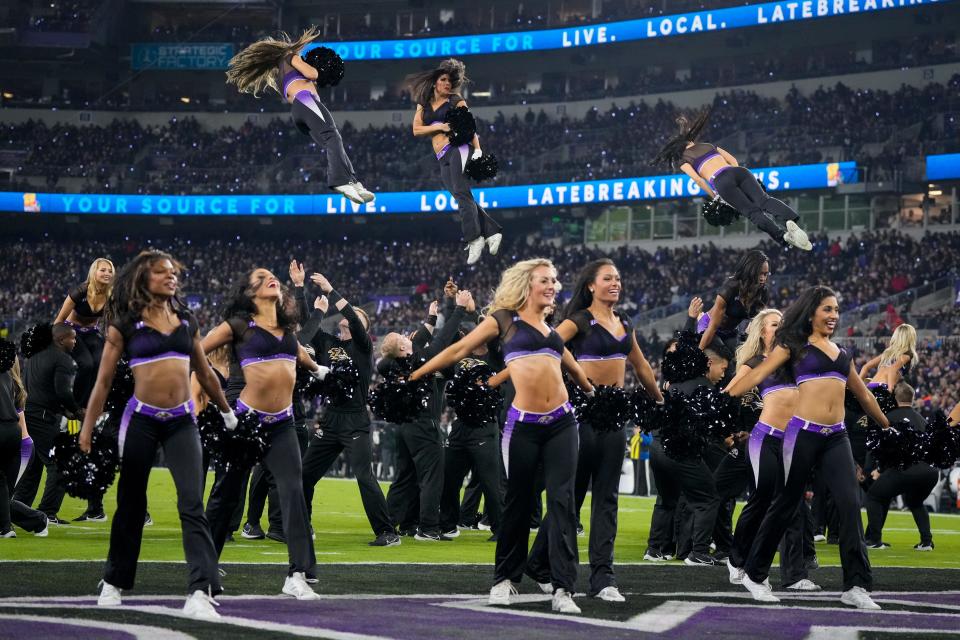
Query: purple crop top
[
  {"x": 594, "y": 342},
  {"x": 814, "y": 364},
  {"x": 253, "y": 344},
  {"x": 520, "y": 339},
  {"x": 776, "y": 381},
  {"x": 144, "y": 344}
]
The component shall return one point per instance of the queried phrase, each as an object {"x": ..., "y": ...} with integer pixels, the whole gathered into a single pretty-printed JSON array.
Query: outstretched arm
[
  {"x": 717, "y": 314},
  {"x": 482, "y": 334},
  {"x": 743, "y": 383},
  {"x": 869, "y": 366}
]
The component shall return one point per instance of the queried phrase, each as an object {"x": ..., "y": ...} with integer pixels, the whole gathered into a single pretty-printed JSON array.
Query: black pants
[
  {"x": 802, "y": 450},
  {"x": 691, "y": 478},
  {"x": 474, "y": 220},
  {"x": 314, "y": 119},
  {"x": 824, "y": 510},
  {"x": 914, "y": 483},
  {"x": 86, "y": 353},
  {"x": 640, "y": 487},
  {"x": 419, "y": 477},
  {"x": 480, "y": 456},
  {"x": 731, "y": 475},
  {"x": 43, "y": 426},
  {"x": 740, "y": 189},
  {"x": 181, "y": 445},
  {"x": 524, "y": 446},
  {"x": 263, "y": 486},
  {"x": 766, "y": 461},
  {"x": 283, "y": 461},
  {"x": 470, "y": 506},
  {"x": 349, "y": 432},
  {"x": 13, "y": 511},
  {"x": 598, "y": 465}
]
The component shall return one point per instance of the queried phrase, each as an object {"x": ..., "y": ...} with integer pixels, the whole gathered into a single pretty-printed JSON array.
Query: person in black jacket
[
  {"x": 49, "y": 379},
  {"x": 346, "y": 427},
  {"x": 420, "y": 443}
]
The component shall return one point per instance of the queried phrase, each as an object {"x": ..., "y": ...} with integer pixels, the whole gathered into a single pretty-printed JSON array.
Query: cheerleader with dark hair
[
  {"x": 276, "y": 63},
  {"x": 814, "y": 437},
  {"x": 261, "y": 329},
  {"x": 720, "y": 175},
  {"x": 151, "y": 327},
  {"x": 602, "y": 340},
  {"x": 740, "y": 298},
  {"x": 541, "y": 427},
  {"x": 436, "y": 93}
]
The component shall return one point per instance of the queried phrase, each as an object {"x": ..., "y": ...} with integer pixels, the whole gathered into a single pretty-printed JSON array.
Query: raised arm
[
  {"x": 301, "y": 65},
  {"x": 112, "y": 350},
  {"x": 450, "y": 326},
  {"x": 742, "y": 372},
  {"x": 741, "y": 384},
  {"x": 220, "y": 335},
  {"x": 482, "y": 334},
  {"x": 867, "y": 402},
  {"x": 696, "y": 177},
  {"x": 717, "y": 313},
  {"x": 869, "y": 366}
]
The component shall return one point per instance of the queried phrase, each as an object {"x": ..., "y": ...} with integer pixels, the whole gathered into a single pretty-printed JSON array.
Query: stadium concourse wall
[{"x": 887, "y": 80}]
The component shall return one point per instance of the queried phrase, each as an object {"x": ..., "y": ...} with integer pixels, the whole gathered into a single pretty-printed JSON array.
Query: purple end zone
[{"x": 13, "y": 628}]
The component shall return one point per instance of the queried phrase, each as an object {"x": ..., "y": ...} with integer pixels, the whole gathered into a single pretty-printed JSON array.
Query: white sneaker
[
  {"x": 493, "y": 243},
  {"x": 804, "y": 585},
  {"x": 563, "y": 602},
  {"x": 201, "y": 606},
  {"x": 474, "y": 249},
  {"x": 859, "y": 598},
  {"x": 453, "y": 533},
  {"x": 296, "y": 586},
  {"x": 545, "y": 587},
  {"x": 366, "y": 194},
  {"x": 760, "y": 592},
  {"x": 797, "y": 237},
  {"x": 500, "y": 593},
  {"x": 610, "y": 594},
  {"x": 44, "y": 533},
  {"x": 483, "y": 527},
  {"x": 736, "y": 575},
  {"x": 819, "y": 538},
  {"x": 350, "y": 192},
  {"x": 8, "y": 534},
  {"x": 109, "y": 595}
]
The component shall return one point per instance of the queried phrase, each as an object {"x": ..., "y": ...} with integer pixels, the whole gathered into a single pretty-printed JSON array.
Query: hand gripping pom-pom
[
  {"x": 81, "y": 475},
  {"x": 897, "y": 447},
  {"x": 241, "y": 448},
  {"x": 686, "y": 362},
  {"x": 36, "y": 339},
  {"x": 462, "y": 126},
  {"x": 575, "y": 395},
  {"x": 715, "y": 413},
  {"x": 328, "y": 64},
  {"x": 396, "y": 399},
  {"x": 476, "y": 403},
  {"x": 943, "y": 442},
  {"x": 337, "y": 388},
  {"x": 483, "y": 168},
  {"x": 647, "y": 414},
  {"x": 8, "y": 355},
  {"x": 607, "y": 410},
  {"x": 718, "y": 213}
]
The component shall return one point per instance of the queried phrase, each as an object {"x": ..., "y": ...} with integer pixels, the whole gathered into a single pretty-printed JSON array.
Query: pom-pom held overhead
[
  {"x": 328, "y": 64},
  {"x": 462, "y": 126},
  {"x": 8, "y": 355},
  {"x": 483, "y": 168},
  {"x": 475, "y": 402},
  {"x": 397, "y": 400},
  {"x": 686, "y": 362},
  {"x": 35, "y": 339},
  {"x": 943, "y": 442},
  {"x": 241, "y": 448},
  {"x": 608, "y": 409},
  {"x": 81, "y": 475},
  {"x": 719, "y": 214}
]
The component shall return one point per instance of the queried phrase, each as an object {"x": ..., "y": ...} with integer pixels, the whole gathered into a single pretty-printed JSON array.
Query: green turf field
[{"x": 342, "y": 533}]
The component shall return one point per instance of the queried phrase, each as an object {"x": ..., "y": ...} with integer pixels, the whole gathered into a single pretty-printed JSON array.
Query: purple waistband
[
  {"x": 265, "y": 416},
  {"x": 79, "y": 328},
  {"x": 876, "y": 385},
  {"x": 764, "y": 429},
  {"x": 159, "y": 413},
  {"x": 716, "y": 173},
  {"x": 169, "y": 355},
  {"x": 821, "y": 429},
  {"x": 276, "y": 356},
  {"x": 443, "y": 151},
  {"x": 779, "y": 387},
  {"x": 518, "y": 415}
]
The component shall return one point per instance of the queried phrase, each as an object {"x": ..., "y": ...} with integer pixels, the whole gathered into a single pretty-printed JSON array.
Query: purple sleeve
[{"x": 703, "y": 323}]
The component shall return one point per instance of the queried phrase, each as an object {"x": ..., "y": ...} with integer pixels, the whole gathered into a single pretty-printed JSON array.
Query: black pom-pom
[
  {"x": 8, "y": 355},
  {"x": 241, "y": 448},
  {"x": 86, "y": 476},
  {"x": 885, "y": 399},
  {"x": 476, "y": 403},
  {"x": 680, "y": 437},
  {"x": 686, "y": 362},
  {"x": 717, "y": 414},
  {"x": 462, "y": 126},
  {"x": 35, "y": 339},
  {"x": 647, "y": 414},
  {"x": 396, "y": 399},
  {"x": 120, "y": 391},
  {"x": 483, "y": 168},
  {"x": 575, "y": 395},
  {"x": 719, "y": 214},
  {"x": 608, "y": 409},
  {"x": 897, "y": 447},
  {"x": 328, "y": 64},
  {"x": 943, "y": 442},
  {"x": 690, "y": 422},
  {"x": 337, "y": 388}
]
